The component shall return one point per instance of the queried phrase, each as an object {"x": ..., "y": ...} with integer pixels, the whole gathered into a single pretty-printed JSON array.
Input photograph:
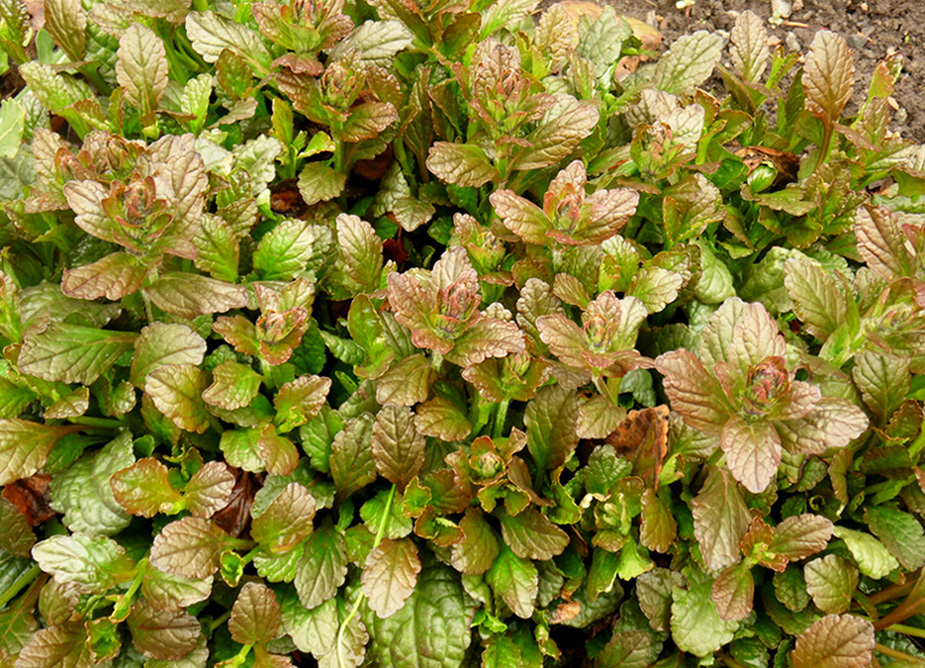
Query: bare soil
[{"x": 873, "y": 29}]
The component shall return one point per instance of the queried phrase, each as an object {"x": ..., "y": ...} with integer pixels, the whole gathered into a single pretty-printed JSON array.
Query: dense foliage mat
[{"x": 432, "y": 334}]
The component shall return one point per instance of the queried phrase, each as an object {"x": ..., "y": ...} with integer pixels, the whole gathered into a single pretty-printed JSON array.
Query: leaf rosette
[{"x": 740, "y": 387}]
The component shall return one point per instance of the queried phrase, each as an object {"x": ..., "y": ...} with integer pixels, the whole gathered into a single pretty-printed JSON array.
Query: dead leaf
[
  {"x": 30, "y": 496},
  {"x": 642, "y": 438}
]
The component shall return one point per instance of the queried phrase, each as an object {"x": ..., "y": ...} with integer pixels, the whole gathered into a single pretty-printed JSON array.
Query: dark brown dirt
[{"x": 873, "y": 29}]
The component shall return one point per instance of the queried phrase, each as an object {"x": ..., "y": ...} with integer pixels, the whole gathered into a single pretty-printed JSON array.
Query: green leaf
[
  {"x": 359, "y": 262},
  {"x": 831, "y": 582},
  {"x": 734, "y": 591},
  {"x": 16, "y": 535},
  {"x": 318, "y": 182},
  {"x": 84, "y": 494},
  {"x": 398, "y": 448},
  {"x": 872, "y": 558},
  {"x": 209, "y": 490},
  {"x": 516, "y": 580},
  {"x": 626, "y": 649},
  {"x": 218, "y": 248},
  {"x": 72, "y": 353},
  {"x": 479, "y": 547},
  {"x": 530, "y": 535},
  {"x": 696, "y": 626},
  {"x": 144, "y": 489},
  {"x": 160, "y": 344},
  {"x": 176, "y": 390},
  {"x": 115, "y": 276},
  {"x": 191, "y": 547},
  {"x": 211, "y": 33},
  {"x": 835, "y": 641},
  {"x": 750, "y": 46},
  {"x": 441, "y": 418},
  {"x": 800, "y": 536},
  {"x": 299, "y": 400},
  {"x": 721, "y": 519},
  {"x": 431, "y": 629},
  {"x": 828, "y": 77},
  {"x": 753, "y": 452},
  {"x": 602, "y": 42},
  {"x": 352, "y": 465},
  {"x": 322, "y": 568},
  {"x": 91, "y": 564},
  {"x": 166, "y": 590},
  {"x": 693, "y": 391},
  {"x": 461, "y": 164},
  {"x": 389, "y": 576},
  {"x": 376, "y": 42},
  {"x": 255, "y": 616},
  {"x": 141, "y": 68},
  {"x": 558, "y": 135},
  {"x": 406, "y": 383},
  {"x": 688, "y": 63},
  {"x": 289, "y": 248},
  {"x": 24, "y": 447},
  {"x": 884, "y": 380},
  {"x": 66, "y": 22},
  {"x": 164, "y": 634},
  {"x": 552, "y": 420},
  {"x": 233, "y": 386},
  {"x": 12, "y": 121},
  {"x": 287, "y": 521},
  {"x": 312, "y": 630},
  {"x": 658, "y": 530},
  {"x": 817, "y": 299},
  {"x": 900, "y": 532},
  {"x": 190, "y": 295}
]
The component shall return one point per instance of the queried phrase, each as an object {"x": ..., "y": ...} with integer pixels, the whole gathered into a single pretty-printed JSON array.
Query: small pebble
[
  {"x": 782, "y": 8},
  {"x": 793, "y": 44},
  {"x": 901, "y": 116},
  {"x": 856, "y": 41}
]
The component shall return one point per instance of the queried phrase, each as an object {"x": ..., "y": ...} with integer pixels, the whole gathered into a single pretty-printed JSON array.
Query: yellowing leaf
[{"x": 389, "y": 575}]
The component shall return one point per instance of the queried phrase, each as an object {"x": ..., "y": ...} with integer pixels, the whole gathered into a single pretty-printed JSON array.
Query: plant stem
[
  {"x": 894, "y": 653},
  {"x": 356, "y": 606},
  {"x": 500, "y": 418},
  {"x": 21, "y": 583},
  {"x": 218, "y": 621},
  {"x": 201, "y": 5},
  {"x": 906, "y": 630},
  {"x": 103, "y": 423}
]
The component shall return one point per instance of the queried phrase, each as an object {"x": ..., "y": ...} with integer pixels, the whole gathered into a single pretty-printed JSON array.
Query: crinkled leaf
[
  {"x": 289, "y": 248},
  {"x": 559, "y": 134},
  {"x": 531, "y": 535},
  {"x": 91, "y": 564},
  {"x": 24, "y": 447},
  {"x": 696, "y": 626},
  {"x": 406, "y": 383},
  {"x": 322, "y": 568},
  {"x": 57, "y": 647},
  {"x": 376, "y": 42},
  {"x": 753, "y": 452},
  {"x": 255, "y": 616},
  {"x": 831, "y": 582},
  {"x": 211, "y": 34},
  {"x": 901, "y": 532},
  {"x": 835, "y": 641},
  {"x": 693, "y": 391},
  {"x": 234, "y": 386},
  {"x": 882, "y": 244},
  {"x": 551, "y": 420},
  {"x": 72, "y": 353},
  {"x": 872, "y": 558},
  {"x": 398, "y": 448},
  {"x": 441, "y": 418},
  {"x": 352, "y": 465},
  {"x": 688, "y": 63},
  {"x": 883, "y": 380},
  {"x": 166, "y": 590},
  {"x": 319, "y": 182},
  {"x": 828, "y": 77},
  {"x": 141, "y": 68},
  {"x": 488, "y": 337},
  {"x": 461, "y": 164},
  {"x": 721, "y": 519},
  {"x": 113, "y": 277},
  {"x": 800, "y": 536},
  {"x": 164, "y": 634},
  {"x": 658, "y": 530},
  {"x": 360, "y": 261},
  {"x": 189, "y": 295},
  {"x": 516, "y": 580},
  {"x": 299, "y": 400},
  {"x": 217, "y": 248},
  {"x": 160, "y": 344},
  {"x": 733, "y": 592},
  {"x": 750, "y": 46},
  {"x": 176, "y": 390},
  {"x": 66, "y": 22},
  {"x": 209, "y": 490},
  {"x": 389, "y": 575},
  {"x": 287, "y": 521},
  {"x": 83, "y": 492},
  {"x": 817, "y": 299},
  {"x": 144, "y": 489},
  {"x": 479, "y": 547},
  {"x": 833, "y": 423},
  {"x": 191, "y": 547},
  {"x": 432, "y": 628}
]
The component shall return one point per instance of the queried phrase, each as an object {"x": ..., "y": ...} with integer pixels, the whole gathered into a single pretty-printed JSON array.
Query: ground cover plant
[{"x": 409, "y": 334}]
